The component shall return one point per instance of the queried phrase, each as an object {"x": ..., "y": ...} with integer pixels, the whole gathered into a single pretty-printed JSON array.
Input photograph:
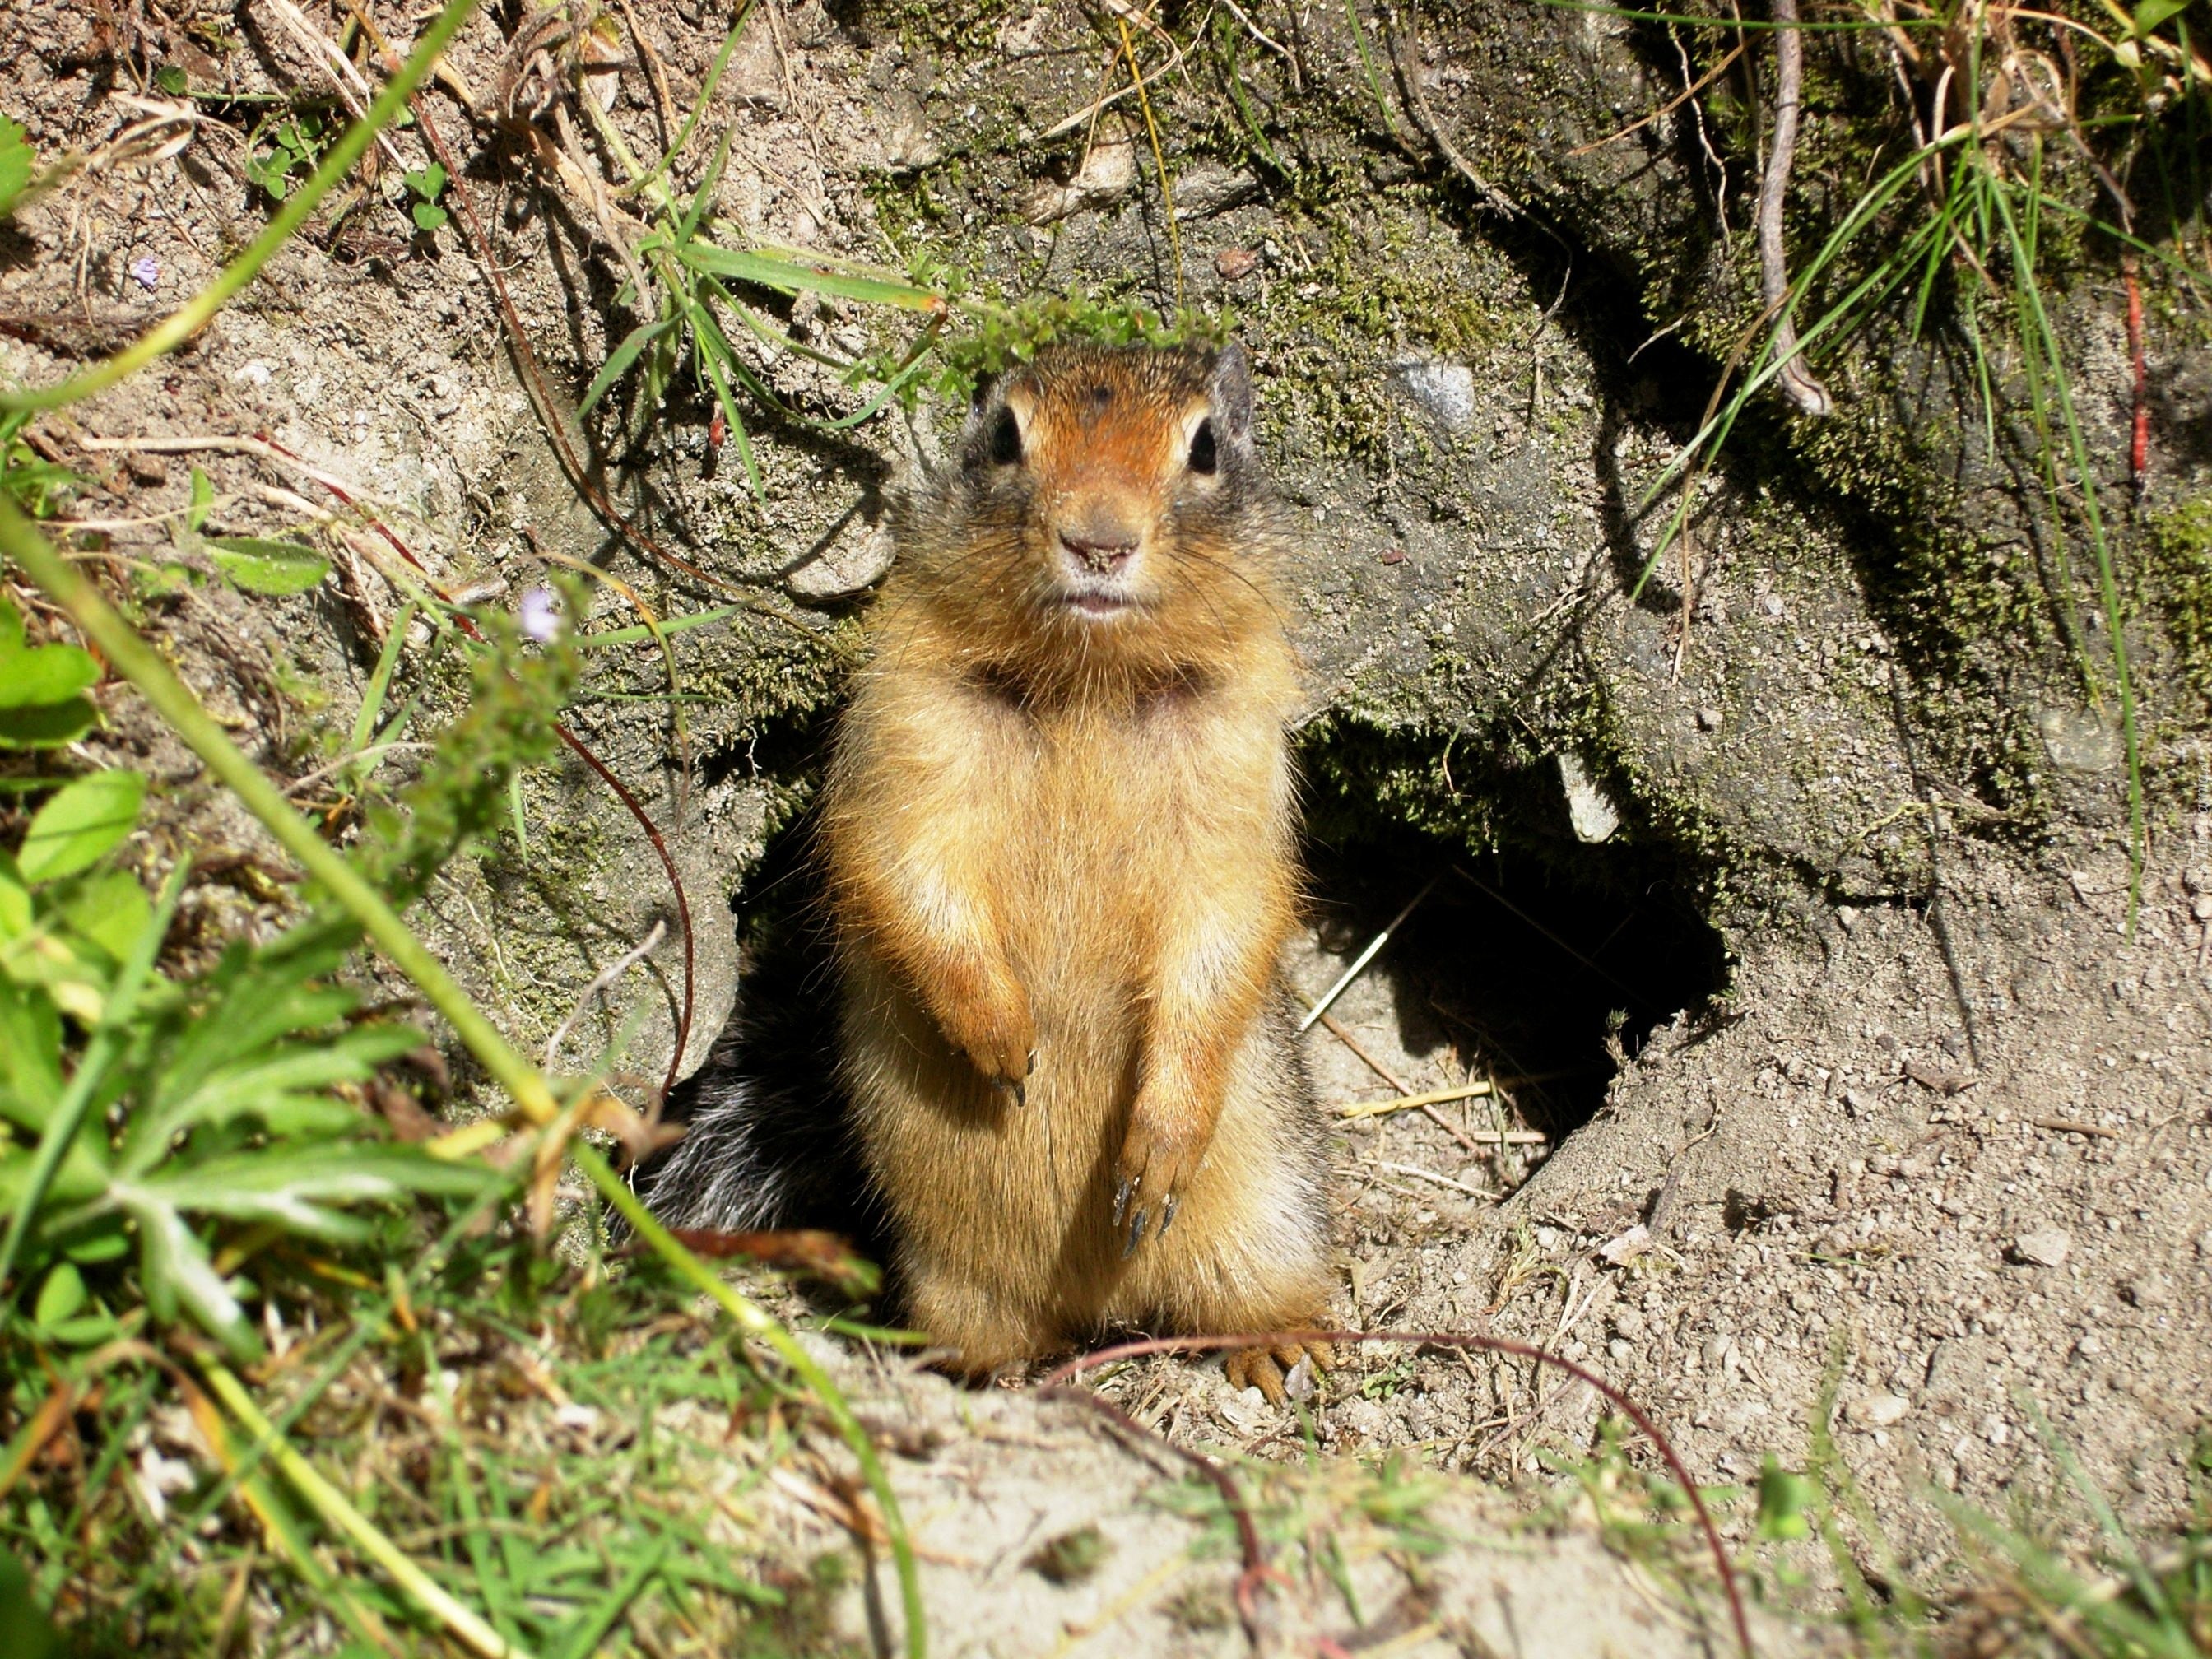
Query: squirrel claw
[
  {"x": 1167, "y": 1214},
  {"x": 1122, "y": 1199},
  {"x": 1136, "y": 1235}
]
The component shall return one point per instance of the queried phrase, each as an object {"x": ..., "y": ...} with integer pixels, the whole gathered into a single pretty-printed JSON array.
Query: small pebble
[
  {"x": 1234, "y": 264},
  {"x": 1880, "y": 1411},
  {"x": 2148, "y": 1290},
  {"x": 2044, "y": 1247},
  {"x": 1444, "y": 392}
]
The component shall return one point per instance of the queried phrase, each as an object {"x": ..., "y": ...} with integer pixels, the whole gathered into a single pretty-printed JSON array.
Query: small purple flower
[
  {"x": 146, "y": 272},
  {"x": 541, "y": 615}
]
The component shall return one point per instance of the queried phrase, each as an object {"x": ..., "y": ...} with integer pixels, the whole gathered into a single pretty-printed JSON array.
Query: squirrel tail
[{"x": 768, "y": 1143}]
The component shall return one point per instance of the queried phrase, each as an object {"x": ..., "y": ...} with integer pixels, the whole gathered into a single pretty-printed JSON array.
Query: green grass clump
[
  {"x": 223, "y": 1276},
  {"x": 485, "y": 1401}
]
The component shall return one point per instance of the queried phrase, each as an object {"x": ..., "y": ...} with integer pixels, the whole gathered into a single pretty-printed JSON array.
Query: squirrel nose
[{"x": 1101, "y": 548}]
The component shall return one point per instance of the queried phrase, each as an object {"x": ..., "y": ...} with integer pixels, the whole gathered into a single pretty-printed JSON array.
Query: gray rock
[
  {"x": 1879, "y": 1411},
  {"x": 2080, "y": 739},
  {"x": 852, "y": 558},
  {"x": 2044, "y": 1247},
  {"x": 1589, "y": 809},
  {"x": 1442, "y": 392},
  {"x": 909, "y": 143},
  {"x": 2148, "y": 1289}
]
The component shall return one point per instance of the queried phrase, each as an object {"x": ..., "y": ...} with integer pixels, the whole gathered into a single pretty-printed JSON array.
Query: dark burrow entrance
[{"x": 1542, "y": 963}]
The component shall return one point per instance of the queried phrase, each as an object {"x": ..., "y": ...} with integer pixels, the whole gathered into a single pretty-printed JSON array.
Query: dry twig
[
  {"x": 1417, "y": 102},
  {"x": 1798, "y": 384}
]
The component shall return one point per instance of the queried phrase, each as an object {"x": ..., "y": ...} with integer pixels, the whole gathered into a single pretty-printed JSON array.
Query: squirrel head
[{"x": 1107, "y": 512}]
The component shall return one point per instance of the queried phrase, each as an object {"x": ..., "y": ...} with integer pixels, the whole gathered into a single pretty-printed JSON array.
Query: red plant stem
[
  {"x": 1628, "y": 1408},
  {"x": 676, "y": 885},
  {"x": 630, "y": 802},
  {"x": 2139, "y": 440}
]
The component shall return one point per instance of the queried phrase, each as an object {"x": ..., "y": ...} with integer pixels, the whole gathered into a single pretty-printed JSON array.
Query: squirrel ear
[
  {"x": 983, "y": 403},
  {"x": 1232, "y": 391},
  {"x": 980, "y": 400}
]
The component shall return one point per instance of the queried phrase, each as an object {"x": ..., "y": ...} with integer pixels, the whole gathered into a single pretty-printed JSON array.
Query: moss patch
[{"x": 2178, "y": 549}]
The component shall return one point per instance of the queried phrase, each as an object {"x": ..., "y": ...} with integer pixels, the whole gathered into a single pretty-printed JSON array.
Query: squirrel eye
[
  {"x": 1204, "y": 455},
  {"x": 1007, "y": 439}
]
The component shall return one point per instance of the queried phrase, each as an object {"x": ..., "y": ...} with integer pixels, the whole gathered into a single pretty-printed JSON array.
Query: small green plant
[
  {"x": 1785, "y": 1503},
  {"x": 701, "y": 323},
  {"x": 1385, "y": 1381},
  {"x": 425, "y": 186},
  {"x": 1640, "y": 1511},
  {"x": 259, "y": 564},
  {"x": 38, "y": 487},
  {"x": 194, "y": 1106},
  {"x": 1071, "y": 1557},
  {"x": 688, "y": 283},
  {"x": 283, "y": 146},
  {"x": 2013, "y": 1590},
  {"x": 2133, "y": 1602}
]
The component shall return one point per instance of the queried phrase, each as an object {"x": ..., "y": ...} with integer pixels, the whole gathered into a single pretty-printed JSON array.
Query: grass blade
[
  {"x": 619, "y": 360},
  {"x": 789, "y": 275},
  {"x": 379, "y": 679}
]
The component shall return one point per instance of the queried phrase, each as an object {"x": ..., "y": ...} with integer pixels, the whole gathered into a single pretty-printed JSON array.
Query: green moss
[
  {"x": 949, "y": 29},
  {"x": 910, "y": 208},
  {"x": 1359, "y": 773},
  {"x": 1392, "y": 281},
  {"x": 2178, "y": 578}
]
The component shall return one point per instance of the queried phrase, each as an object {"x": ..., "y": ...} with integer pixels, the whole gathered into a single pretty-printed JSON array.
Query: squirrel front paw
[
  {"x": 1160, "y": 1153},
  {"x": 998, "y": 1033}
]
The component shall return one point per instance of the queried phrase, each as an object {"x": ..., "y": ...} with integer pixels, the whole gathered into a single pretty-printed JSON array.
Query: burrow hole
[{"x": 1537, "y": 962}]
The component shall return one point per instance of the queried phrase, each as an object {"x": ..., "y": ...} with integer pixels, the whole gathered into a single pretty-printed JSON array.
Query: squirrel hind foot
[{"x": 1264, "y": 1369}]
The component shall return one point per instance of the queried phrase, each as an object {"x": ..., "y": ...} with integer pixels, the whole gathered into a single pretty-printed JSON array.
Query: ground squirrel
[{"x": 1058, "y": 840}]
